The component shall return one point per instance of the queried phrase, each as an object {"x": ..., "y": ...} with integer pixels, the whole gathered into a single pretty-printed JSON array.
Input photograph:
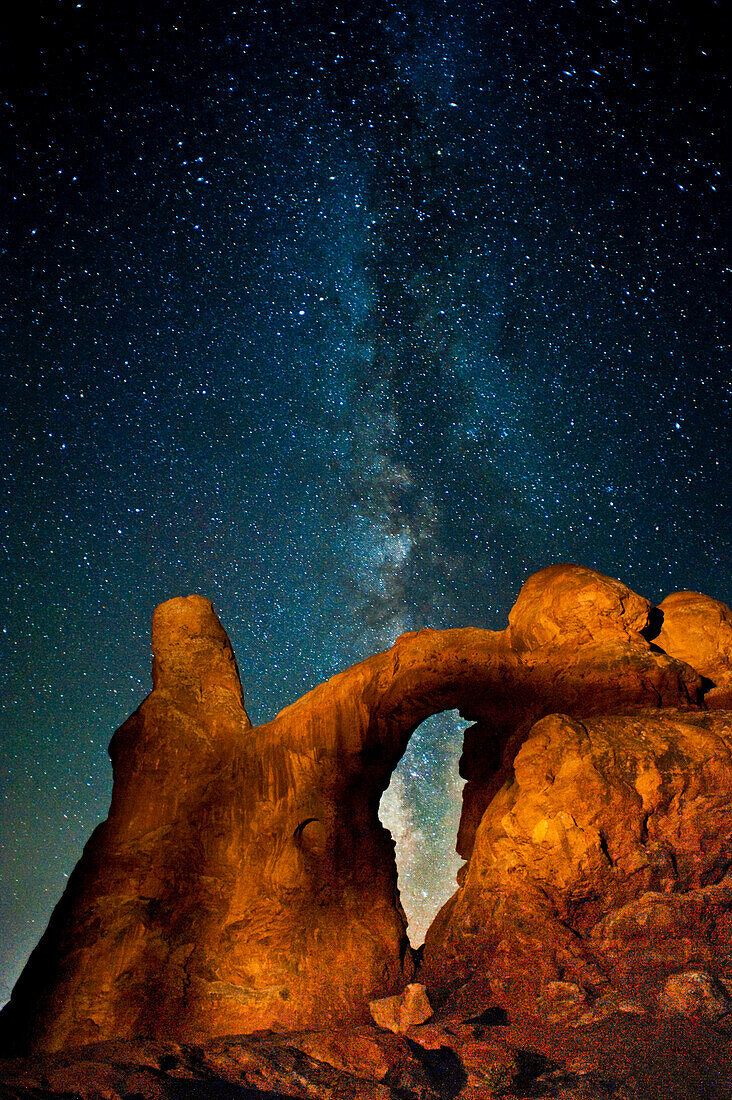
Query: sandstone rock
[
  {"x": 570, "y": 603},
  {"x": 607, "y": 857},
  {"x": 615, "y": 676},
  {"x": 623, "y": 1060},
  {"x": 235, "y": 1068},
  {"x": 695, "y": 993},
  {"x": 562, "y": 1001},
  {"x": 504, "y": 1070},
  {"x": 609, "y": 1060},
  {"x": 607, "y": 1006},
  {"x": 406, "y": 1010},
  {"x": 364, "y": 1051},
  {"x": 192, "y": 653},
  {"x": 698, "y": 630},
  {"x": 242, "y": 880}
]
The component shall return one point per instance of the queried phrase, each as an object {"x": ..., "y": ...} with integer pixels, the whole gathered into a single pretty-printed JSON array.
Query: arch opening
[{"x": 421, "y": 808}]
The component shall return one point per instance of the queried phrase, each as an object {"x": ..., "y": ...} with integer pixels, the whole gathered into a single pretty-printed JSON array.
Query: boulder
[
  {"x": 569, "y": 603},
  {"x": 695, "y": 993},
  {"x": 698, "y": 630},
  {"x": 406, "y": 1010},
  {"x": 562, "y": 1002}
]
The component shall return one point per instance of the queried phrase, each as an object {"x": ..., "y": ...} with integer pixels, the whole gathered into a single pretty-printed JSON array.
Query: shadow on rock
[{"x": 443, "y": 1067}]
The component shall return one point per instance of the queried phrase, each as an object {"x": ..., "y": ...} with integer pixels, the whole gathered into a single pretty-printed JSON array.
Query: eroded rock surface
[
  {"x": 698, "y": 630},
  {"x": 604, "y": 862},
  {"x": 243, "y": 880},
  {"x": 406, "y": 1010},
  {"x": 619, "y": 1058},
  {"x": 569, "y": 602},
  {"x": 695, "y": 993}
]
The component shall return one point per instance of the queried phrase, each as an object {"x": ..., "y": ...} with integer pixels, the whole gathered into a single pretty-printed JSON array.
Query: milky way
[{"x": 349, "y": 318}]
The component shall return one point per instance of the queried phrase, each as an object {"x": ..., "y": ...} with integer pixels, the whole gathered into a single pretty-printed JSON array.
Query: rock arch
[{"x": 242, "y": 879}]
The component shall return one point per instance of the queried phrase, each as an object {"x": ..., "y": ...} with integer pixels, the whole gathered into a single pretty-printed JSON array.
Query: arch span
[{"x": 243, "y": 880}]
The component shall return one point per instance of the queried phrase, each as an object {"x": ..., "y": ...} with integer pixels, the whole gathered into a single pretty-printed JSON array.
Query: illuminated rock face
[
  {"x": 698, "y": 630},
  {"x": 604, "y": 862},
  {"x": 243, "y": 881}
]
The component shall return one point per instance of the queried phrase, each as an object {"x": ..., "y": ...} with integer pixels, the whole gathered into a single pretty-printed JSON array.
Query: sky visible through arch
[
  {"x": 348, "y": 317},
  {"x": 421, "y": 809}
]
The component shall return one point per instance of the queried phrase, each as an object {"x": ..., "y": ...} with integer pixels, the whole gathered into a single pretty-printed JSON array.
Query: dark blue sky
[{"x": 348, "y": 317}]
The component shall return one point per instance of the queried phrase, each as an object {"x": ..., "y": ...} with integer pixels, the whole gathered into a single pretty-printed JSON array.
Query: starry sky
[{"x": 348, "y": 316}]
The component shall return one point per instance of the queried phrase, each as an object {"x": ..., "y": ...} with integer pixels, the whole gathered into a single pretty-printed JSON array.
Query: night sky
[{"x": 349, "y": 317}]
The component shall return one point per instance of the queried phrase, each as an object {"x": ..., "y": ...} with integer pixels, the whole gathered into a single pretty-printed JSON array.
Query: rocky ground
[{"x": 605, "y": 1051}]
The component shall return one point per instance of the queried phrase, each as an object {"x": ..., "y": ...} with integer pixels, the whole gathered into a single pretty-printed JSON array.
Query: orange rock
[
  {"x": 193, "y": 655},
  {"x": 695, "y": 993},
  {"x": 698, "y": 630},
  {"x": 605, "y": 859},
  {"x": 566, "y": 603},
  {"x": 406, "y": 1010},
  {"x": 243, "y": 881}
]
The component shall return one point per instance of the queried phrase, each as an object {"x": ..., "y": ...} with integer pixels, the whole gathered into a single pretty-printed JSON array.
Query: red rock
[
  {"x": 605, "y": 860},
  {"x": 616, "y": 1057},
  {"x": 607, "y": 1006},
  {"x": 193, "y": 659},
  {"x": 698, "y": 630},
  {"x": 695, "y": 993},
  {"x": 243, "y": 881},
  {"x": 560, "y": 1001},
  {"x": 571, "y": 603},
  {"x": 406, "y": 1010},
  {"x": 267, "y": 1065}
]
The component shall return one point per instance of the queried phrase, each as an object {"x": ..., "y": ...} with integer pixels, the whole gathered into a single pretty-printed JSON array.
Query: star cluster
[{"x": 349, "y": 317}]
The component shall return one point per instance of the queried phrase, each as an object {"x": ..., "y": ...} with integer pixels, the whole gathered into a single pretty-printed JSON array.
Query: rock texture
[
  {"x": 242, "y": 880},
  {"x": 620, "y": 1058},
  {"x": 605, "y": 863},
  {"x": 406, "y": 1010},
  {"x": 360, "y": 1065},
  {"x": 698, "y": 630},
  {"x": 563, "y": 603},
  {"x": 695, "y": 993}
]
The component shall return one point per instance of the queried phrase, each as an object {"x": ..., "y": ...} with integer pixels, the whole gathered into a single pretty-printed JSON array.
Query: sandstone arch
[{"x": 242, "y": 879}]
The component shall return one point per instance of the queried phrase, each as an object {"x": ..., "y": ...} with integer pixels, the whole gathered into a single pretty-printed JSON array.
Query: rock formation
[
  {"x": 243, "y": 881},
  {"x": 603, "y": 864},
  {"x": 698, "y": 630}
]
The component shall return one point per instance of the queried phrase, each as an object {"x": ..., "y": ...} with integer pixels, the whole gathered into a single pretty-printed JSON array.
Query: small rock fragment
[
  {"x": 561, "y": 1000},
  {"x": 608, "y": 1006},
  {"x": 694, "y": 993},
  {"x": 406, "y": 1010}
]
